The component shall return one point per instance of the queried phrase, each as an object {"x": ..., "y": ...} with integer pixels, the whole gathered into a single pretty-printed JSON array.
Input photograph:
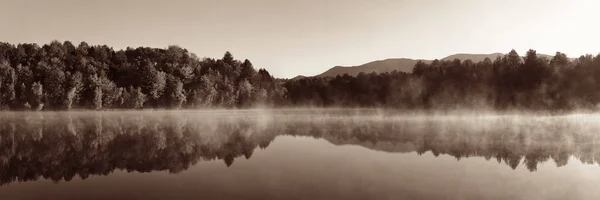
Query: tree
[
  {"x": 152, "y": 81},
  {"x": 175, "y": 95},
  {"x": 97, "y": 103},
  {"x": 227, "y": 95},
  {"x": 73, "y": 89},
  {"x": 206, "y": 94},
  {"x": 133, "y": 98},
  {"x": 513, "y": 60},
  {"x": 111, "y": 93},
  {"x": 260, "y": 95},
  {"x": 245, "y": 94},
  {"x": 247, "y": 71},
  {"x": 24, "y": 81},
  {"x": 23, "y": 97},
  {"x": 419, "y": 68},
  {"x": 228, "y": 58},
  {"x": 8, "y": 80},
  {"x": 37, "y": 94},
  {"x": 559, "y": 61},
  {"x": 54, "y": 84}
]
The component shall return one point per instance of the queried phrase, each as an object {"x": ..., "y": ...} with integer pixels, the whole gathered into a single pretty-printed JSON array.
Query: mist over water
[{"x": 280, "y": 154}]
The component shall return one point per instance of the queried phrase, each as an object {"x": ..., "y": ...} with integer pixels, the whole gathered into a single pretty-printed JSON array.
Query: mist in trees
[{"x": 507, "y": 82}]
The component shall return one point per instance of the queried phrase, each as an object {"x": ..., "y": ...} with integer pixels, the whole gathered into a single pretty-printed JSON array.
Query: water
[{"x": 297, "y": 154}]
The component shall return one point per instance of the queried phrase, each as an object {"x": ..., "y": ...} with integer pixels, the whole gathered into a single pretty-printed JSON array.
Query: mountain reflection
[{"x": 60, "y": 146}]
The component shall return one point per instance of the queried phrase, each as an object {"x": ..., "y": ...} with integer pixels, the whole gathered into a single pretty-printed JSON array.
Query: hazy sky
[{"x": 307, "y": 37}]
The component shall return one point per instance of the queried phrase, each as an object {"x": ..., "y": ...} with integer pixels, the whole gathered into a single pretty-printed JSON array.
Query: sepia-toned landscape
[{"x": 285, "y": 99}]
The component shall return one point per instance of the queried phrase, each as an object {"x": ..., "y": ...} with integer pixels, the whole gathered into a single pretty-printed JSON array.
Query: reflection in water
[{"x": 60, "y": 146}]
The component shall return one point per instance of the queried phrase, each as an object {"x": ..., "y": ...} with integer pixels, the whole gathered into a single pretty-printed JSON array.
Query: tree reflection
[
  {"x": 510, "y": 142},
  {"x": 61, "y": 146}
]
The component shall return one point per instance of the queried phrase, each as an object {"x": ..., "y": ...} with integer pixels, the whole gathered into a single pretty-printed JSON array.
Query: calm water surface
[{"x": 297, "y": 154}]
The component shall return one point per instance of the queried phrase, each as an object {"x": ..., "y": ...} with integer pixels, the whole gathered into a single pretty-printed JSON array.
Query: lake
[{"x": 297, "y": 154}]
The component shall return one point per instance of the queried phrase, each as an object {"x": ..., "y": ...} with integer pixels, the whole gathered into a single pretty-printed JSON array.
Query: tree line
[
  {"x": 508, "y": 82},
  {"x": 62, "y": 76}
]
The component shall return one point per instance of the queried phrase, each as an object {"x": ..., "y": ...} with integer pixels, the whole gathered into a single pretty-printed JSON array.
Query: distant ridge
[
  {"x": 473, "y": 57},
  {"x": 402, "y": 64},
  {"x": 299, "y": 77},
  {"x": 380, "y": 66}
]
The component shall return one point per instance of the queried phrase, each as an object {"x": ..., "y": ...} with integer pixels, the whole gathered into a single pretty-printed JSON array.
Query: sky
[{"x": 307, "y": 37}]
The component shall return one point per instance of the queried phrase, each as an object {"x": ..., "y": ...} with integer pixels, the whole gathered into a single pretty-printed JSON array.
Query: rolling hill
[
  {"x": 380, "y": 66},
  {"x": 401, "y": 64}
]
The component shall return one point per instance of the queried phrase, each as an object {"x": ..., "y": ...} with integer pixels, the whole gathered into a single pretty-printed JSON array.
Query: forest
[
  {"x": 507, "y": 82},
  {"x": 63, "y": 76}
]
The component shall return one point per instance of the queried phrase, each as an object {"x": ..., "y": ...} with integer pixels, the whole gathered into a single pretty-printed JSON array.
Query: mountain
[
  {"x": 299, "y": 77},
  {"x": 473, "y": 57},
  {"x": 380, "y": 66},
  {"x": 402, "y": 64}
]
